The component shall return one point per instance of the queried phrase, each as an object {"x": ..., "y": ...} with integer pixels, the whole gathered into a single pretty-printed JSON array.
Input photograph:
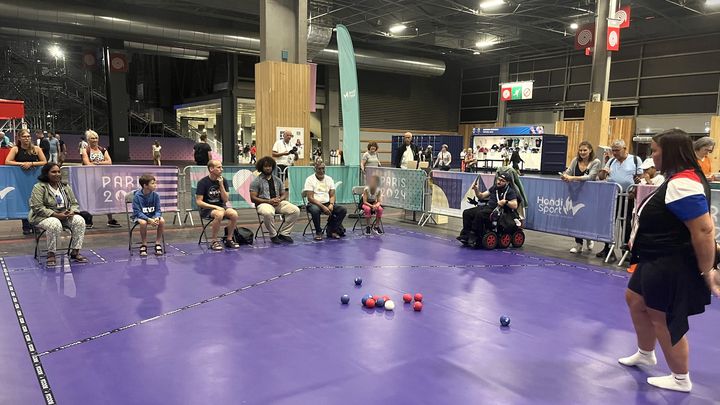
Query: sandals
[
  {"x": 231, "y": 243},
  {"x": 216, "y": 246},
  {"x": 143, "y": 251},
  {"x": 158, "y": 250},
  {"x": 51, "y": 261}
]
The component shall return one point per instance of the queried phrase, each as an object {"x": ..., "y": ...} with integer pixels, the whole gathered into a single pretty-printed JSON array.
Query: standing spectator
[
  {"x": 428, "y": 154},
  {"x": 212, "y": 197},
  {"x": 407, "y": 152},
  {"x": 444, "y": 158},
  {"x": 54, "y": 147},
  {"x": 203, "y": 151},
  {"x": 270, "y": 197},
  {"x": 370, "y": 158},
  {"x": 156, "y": 153},
  {"x": 470, "y": 160},
  {"x": 5, "y": 141},
  {"x": 246, "y": 152},
  {"x": 82, "y": 145},
  {"x": 624, "y": 170},
  {"x": 52, "y": 206},
  {"x": 650, "y": 175},
  {"x": 584, "y": 167},
  {"x": 673, "y": 245},
  {"x": 253, "y": 153},
  {"x": 26, "y": 155},
  {"x": 320, "y": 193},
  {"x": 515, "y": 159},
  {"x": 284, "y": 151},
  {"x": 42, "y": 142},
  {"x": 62, "y": 149},
  {"x": 703, "y": 147},
  {"x": 95, "y": 154}
]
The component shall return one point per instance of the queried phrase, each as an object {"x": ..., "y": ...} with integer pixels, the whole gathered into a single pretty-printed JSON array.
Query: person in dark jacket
[{"x": 406, "y": 152}]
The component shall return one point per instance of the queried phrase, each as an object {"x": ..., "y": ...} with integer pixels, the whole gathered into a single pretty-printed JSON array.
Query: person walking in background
[
  {"x": 703, "y": 147},
  {"x": 62, "y": 149},
  {"x": 81, "y": 146},
  {"x": 26, "y": 155},
  {"x": 5, "y": 141},
  {"x": 515, "y": 159},
  {"x": 95, "y": 154},
  {"x": 156, "y": 153},
  {"x": 54, "y": 148},
  {"x": 202, "y": 151},
  {"x": 42, "y": 142},
  {"x": 253, "y": 153},
  {"x": 584, "y": 167}
]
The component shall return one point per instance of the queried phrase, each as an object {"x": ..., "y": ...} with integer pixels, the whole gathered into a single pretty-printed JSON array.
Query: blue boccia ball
[
  {"x": 365, "y": 298},
  {"x": 380, "y": 303},
  {"x": 345, "y": 299},
  {"x": 358, "y": 281},
  {"x": 505, "y": 320}
]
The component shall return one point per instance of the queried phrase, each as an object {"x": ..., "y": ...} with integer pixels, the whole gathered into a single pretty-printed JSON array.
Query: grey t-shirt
[{"x": 371, "y": 160}]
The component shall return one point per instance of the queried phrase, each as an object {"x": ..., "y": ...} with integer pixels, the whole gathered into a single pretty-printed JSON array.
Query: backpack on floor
[{"x": 243, "y": 236}]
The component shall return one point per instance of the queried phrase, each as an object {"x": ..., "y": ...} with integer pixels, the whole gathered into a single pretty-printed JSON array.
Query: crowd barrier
[
  {"x": 580, "y": 209},
  {"x": 16, "y": 186},
  {"x": 345, "y": 178},
  {"x": 401, "y": 188}
]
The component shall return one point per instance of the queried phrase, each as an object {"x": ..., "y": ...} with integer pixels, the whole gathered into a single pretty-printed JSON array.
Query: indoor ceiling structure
[{"x": 465, "y": 30}]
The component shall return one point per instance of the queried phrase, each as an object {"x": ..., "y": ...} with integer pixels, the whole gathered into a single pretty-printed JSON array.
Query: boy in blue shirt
[{"x": 146, "y": 210}]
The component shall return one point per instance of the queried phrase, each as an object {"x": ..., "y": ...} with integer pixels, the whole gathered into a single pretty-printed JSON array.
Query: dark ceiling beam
[{"x": 684, "y": 6}]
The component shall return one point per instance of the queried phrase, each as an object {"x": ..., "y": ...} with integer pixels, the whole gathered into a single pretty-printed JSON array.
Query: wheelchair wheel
[
  {"x": 490, "y": 240},
  {"x": 518, "y": 238},
  {"x": 504, "y": 241}
]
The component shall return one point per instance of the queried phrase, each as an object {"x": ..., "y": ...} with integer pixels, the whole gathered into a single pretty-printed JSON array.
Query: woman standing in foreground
[{"x": 673, "y": 244}]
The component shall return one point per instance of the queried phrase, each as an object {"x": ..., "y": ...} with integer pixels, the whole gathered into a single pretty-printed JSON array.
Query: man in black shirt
[
  {"x": 202, "y": 151},
  {"x": 212, "y": 197},
  {"x": 477, "y": 218}
]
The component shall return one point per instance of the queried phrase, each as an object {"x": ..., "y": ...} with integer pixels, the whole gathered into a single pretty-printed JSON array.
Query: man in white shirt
[
  {"x": 320, "y": 193},
  {"x": 284, "y": 152},
  {"x": 650, "y": 174},
  {"x": 407, "y": 152}
]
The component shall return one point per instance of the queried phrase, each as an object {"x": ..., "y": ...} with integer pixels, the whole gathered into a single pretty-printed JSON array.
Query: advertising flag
[{"x": 349, "y": 97}]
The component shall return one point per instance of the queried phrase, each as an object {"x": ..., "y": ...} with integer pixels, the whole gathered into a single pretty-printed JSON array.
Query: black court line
[
  {"x": 27, "y": 337},
  {"x": 259, "y": 283}
]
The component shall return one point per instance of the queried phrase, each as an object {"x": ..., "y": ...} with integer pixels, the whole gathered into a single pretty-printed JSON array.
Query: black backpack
[{"x": 242, "y": 236}]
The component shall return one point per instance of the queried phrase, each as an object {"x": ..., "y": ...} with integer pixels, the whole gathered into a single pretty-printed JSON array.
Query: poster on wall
[{"x": 298, "y": 138}]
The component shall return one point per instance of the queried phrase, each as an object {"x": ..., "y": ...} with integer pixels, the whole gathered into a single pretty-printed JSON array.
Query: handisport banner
[
  {"x": 400, "y": 188},
  {"x": 238, "y": 177},
  {"x": 345, "y": 178},
  {"x": 16, "y": 186},
  {"x": 580, "y": 209},
  {"x": 451, "y": 190},
  {"x": 101, "y": 189}
]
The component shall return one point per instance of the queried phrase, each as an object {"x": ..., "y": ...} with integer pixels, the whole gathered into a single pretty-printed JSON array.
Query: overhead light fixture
[
  {"x": 56, "y": 52},
  {"x": 573, "y": 26},
  {"x": 476, "y": 53},
  {"x": 397, "y": 28},
  {"x": 712, "y": 3},
  {"x": 485, "y": 43},
  {"x": 488, "y": 4},
  {"x": 647, "y": 130}
]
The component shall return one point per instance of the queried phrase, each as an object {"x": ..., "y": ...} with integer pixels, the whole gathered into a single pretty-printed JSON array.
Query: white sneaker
[
  {"x": 639, "y": 359},
  {"x": 669, "y": 382},
  {"x": 590, "y": 245},
  {"x": 577, "y": 249}
]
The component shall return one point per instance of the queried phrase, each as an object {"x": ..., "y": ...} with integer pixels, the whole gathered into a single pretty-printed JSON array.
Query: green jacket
[{"x": 42, "y": 201}]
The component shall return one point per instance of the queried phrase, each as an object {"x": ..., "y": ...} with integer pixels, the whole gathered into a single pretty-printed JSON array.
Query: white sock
[
  {"x": 675, "y": 382},
  {"x": 640, "y": 358}
]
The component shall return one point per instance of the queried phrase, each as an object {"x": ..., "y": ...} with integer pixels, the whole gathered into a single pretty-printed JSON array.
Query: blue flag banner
[
  {"x": 580, "y": 209},
  {"x": 349, "y": 97},
  {"x": 16, "y": 186}
]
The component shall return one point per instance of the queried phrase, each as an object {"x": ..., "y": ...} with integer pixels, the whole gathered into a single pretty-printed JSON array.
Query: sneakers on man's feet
[
  {"x": 113, "y": 223},
  {"x": 286, "y": 238},
  {"x": 602, "y": 253},
  {"x": 276, "y": 240},
  {"x": 368, "y": 231},
  {"x": 577, "y": 249},
  {"x": 590, "y": 245}
]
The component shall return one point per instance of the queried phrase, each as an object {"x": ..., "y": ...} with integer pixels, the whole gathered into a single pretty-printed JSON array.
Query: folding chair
[
  {"x": 39, "y": 232},
  {"x": 357, "y": 193},
  {"x": 261, "y": 231},
  {"x": 205, "y": 223},
  {"x": 309, "y": 217},
  {"x": 128, "y": 216}
]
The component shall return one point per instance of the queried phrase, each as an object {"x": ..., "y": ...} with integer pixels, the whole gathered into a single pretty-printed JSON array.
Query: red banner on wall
[
  {"x": 623, "y": 15},
  {"x": 585, "y": 37},
  {"x": 118, "y": 62},
  {"x": 613, "y": 38}
]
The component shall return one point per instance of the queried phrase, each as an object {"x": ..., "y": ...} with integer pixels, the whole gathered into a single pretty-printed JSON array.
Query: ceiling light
[
  {"x": 397, "y": 28},
  {"x": 485, "y": 43},
  {"x": 56, "y": 52},
  {"x": 488, "y": 4},
  {"x": 476, "y": 53},
  {"x": 712, "y": 3},
  {"x": 573, "y": 26}
]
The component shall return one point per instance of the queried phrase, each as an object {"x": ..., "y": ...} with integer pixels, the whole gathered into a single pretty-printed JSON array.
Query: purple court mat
[{"x": 264, "y": 324}]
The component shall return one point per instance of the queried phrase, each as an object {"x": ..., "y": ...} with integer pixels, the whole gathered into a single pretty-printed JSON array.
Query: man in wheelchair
[{"x": 498, "y": 216}]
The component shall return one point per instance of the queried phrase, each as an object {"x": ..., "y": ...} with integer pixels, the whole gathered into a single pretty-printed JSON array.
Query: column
[
  {"x": 283, "y": 30},
  {"x": 331, "y": 113},
  {"x": 502, "y": 105},
  {"x": 118, "y": 100}
]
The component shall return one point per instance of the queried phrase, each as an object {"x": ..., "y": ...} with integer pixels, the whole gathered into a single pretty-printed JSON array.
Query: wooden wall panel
[
  {"x": 618, "y": 128},
  {"x": 282, "y": 96}
]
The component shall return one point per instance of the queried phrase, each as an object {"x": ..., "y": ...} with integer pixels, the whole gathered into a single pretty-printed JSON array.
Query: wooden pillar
[
  {"x": 597, "y": 122},
  {"x": 282, "y": 97},
  {"x": 715, "y": 135}
]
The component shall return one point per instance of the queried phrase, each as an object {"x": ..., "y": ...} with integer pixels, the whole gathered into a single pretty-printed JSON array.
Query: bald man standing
[
  {"x": 284, "y": 151},
  {"x": 406, "y": 152}
]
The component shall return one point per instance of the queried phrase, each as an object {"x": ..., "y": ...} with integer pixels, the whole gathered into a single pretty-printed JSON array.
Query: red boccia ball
[
  {"x": 370, "y": 303},
  {"x": 407, "y": 298},
  {"x": 417, "y": 306},
  {"x": 386, "y": 298},
  {"x": 418, "y": 297}
]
